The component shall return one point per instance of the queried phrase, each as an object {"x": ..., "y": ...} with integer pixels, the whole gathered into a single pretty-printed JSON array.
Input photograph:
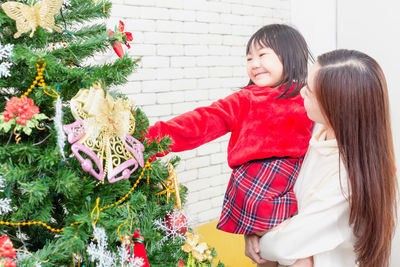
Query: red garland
[
  {"x": 21, "y": 108},
  {"x": 121, "y": 36}
]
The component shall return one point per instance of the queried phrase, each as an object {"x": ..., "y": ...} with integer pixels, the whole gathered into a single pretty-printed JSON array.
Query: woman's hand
[{"x": 252, "y": 248}]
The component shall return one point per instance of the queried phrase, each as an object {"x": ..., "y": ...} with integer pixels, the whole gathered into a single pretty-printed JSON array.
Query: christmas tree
[{"x": 76, "y": 183}]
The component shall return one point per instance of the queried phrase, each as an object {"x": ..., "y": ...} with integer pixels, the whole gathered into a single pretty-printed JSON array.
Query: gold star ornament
[{"x": 170, "y": 186}]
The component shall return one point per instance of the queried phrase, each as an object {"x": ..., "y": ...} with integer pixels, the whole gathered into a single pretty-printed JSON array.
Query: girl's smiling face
[{"x": 264, "y": 67}]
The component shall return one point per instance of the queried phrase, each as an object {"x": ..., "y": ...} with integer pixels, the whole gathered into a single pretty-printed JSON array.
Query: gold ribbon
[
  {"x": 102, "y": 113},
  {"x": 27, "y": 252},
  {"x": 97, "y": 210}
]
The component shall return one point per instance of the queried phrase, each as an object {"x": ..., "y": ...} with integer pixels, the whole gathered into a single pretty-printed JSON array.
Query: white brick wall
[{"x": 193, "y": 53}]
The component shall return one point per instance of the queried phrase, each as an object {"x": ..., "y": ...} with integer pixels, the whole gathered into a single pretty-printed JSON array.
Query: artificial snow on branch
[
  {"x": 104, "y": 258},
  {"x": 5, "y": 69},
  {"x": 173, "y": 226},
  {"x": 5, "y": 206},
  {"x": 59, "y": 127},
  {"x": 5, "y": 53}
]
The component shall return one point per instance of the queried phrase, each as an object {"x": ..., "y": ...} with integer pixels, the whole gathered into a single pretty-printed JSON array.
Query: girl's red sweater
[{"x": 260, "y": 125}]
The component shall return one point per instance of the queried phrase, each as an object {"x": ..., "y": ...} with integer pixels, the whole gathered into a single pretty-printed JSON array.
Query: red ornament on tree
[
  {"x": 177, "y": 222},
  {"x": 121, "y": 37},
  {"x": 138, "y": 249}
]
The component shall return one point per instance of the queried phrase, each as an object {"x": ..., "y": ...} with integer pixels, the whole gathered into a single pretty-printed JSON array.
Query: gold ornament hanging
[
  {"x": 200, "y": 251},
  {"x": 102, "y": 135},
  {"x": 28, "y": 18},
  {"x": 170, "y": 186}
]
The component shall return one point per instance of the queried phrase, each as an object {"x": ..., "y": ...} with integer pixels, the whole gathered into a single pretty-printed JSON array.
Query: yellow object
[
  {"x": 173, "y": 179},
  {"x": 29, "y": 17},
  {"x": 147, "y": 165},
  {"x": 230, "y": 247},
  {"x": 171, "y": 186},
  {"x": 126, "y": 240},
  {"x": 199, "y": 251},
  {"x": 107, "y": 121},
  {"x": 34, "y": 223},
  {"x": 39, "y": 78},
  {"x": 96, "y": 209},
  {"x": 27, "y": 252}
]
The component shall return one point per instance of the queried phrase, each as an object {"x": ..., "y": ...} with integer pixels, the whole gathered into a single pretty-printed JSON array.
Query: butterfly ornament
[{"x": 28, "y": 18}]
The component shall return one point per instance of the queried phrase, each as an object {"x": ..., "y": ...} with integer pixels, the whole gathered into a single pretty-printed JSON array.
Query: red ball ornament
[{"x": 177, "y": 222}]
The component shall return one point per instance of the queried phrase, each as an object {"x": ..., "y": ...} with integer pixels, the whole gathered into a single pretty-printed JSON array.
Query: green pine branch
[{"x": 42, "y": 185}]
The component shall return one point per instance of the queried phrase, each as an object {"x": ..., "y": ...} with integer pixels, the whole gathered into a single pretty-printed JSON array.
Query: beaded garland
[
  {"x": 39, "y": 80},
  {"x": 40, "y": 223}
]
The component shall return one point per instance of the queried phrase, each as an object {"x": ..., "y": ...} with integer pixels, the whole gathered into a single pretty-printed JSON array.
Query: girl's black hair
[{"x": 291, "y": 48}]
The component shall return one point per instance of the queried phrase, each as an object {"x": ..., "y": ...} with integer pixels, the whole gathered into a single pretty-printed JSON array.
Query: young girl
[
  {"x": 269, "y": 132},
  {"x": 347, "y": 186}
]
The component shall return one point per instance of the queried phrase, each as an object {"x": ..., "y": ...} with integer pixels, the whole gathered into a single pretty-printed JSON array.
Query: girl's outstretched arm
[{"x": 199, "y": 126}]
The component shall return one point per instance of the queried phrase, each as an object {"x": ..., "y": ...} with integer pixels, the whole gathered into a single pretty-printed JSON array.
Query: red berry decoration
[{"x": 22, "y": 109}]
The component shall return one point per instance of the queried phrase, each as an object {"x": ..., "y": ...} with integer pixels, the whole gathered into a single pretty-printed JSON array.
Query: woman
[{"x": 347, "y": 186}]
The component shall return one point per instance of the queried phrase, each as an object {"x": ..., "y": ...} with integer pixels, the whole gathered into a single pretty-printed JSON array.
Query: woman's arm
[
  {"x": 252, "y": 250},
  {"x": 307, "y": 262},
  {"x": 321, "y": 225}
]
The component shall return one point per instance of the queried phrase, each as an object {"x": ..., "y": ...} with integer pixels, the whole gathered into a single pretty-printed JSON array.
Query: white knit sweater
[{"x": 320, "y": 228}]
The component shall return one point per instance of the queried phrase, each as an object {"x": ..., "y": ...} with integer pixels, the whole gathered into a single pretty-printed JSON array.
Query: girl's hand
[{"x": 252, "y": 248}]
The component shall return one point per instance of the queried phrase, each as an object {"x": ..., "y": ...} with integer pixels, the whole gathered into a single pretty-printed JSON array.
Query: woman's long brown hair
[{"x": 352, "y": 92}]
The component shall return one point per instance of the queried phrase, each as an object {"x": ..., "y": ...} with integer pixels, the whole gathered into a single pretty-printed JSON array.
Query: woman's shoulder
[
  {"x": 333, "y": 182},
  {"x": 323, "y": 166}
]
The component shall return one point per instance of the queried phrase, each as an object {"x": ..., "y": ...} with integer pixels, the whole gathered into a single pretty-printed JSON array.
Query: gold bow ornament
[
  {"x": 102, "y": 134},
  {"x": 200, "y": 251}
]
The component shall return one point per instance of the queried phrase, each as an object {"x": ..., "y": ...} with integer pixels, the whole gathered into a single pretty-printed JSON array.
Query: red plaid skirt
[{"x": 260, "y": 195}]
